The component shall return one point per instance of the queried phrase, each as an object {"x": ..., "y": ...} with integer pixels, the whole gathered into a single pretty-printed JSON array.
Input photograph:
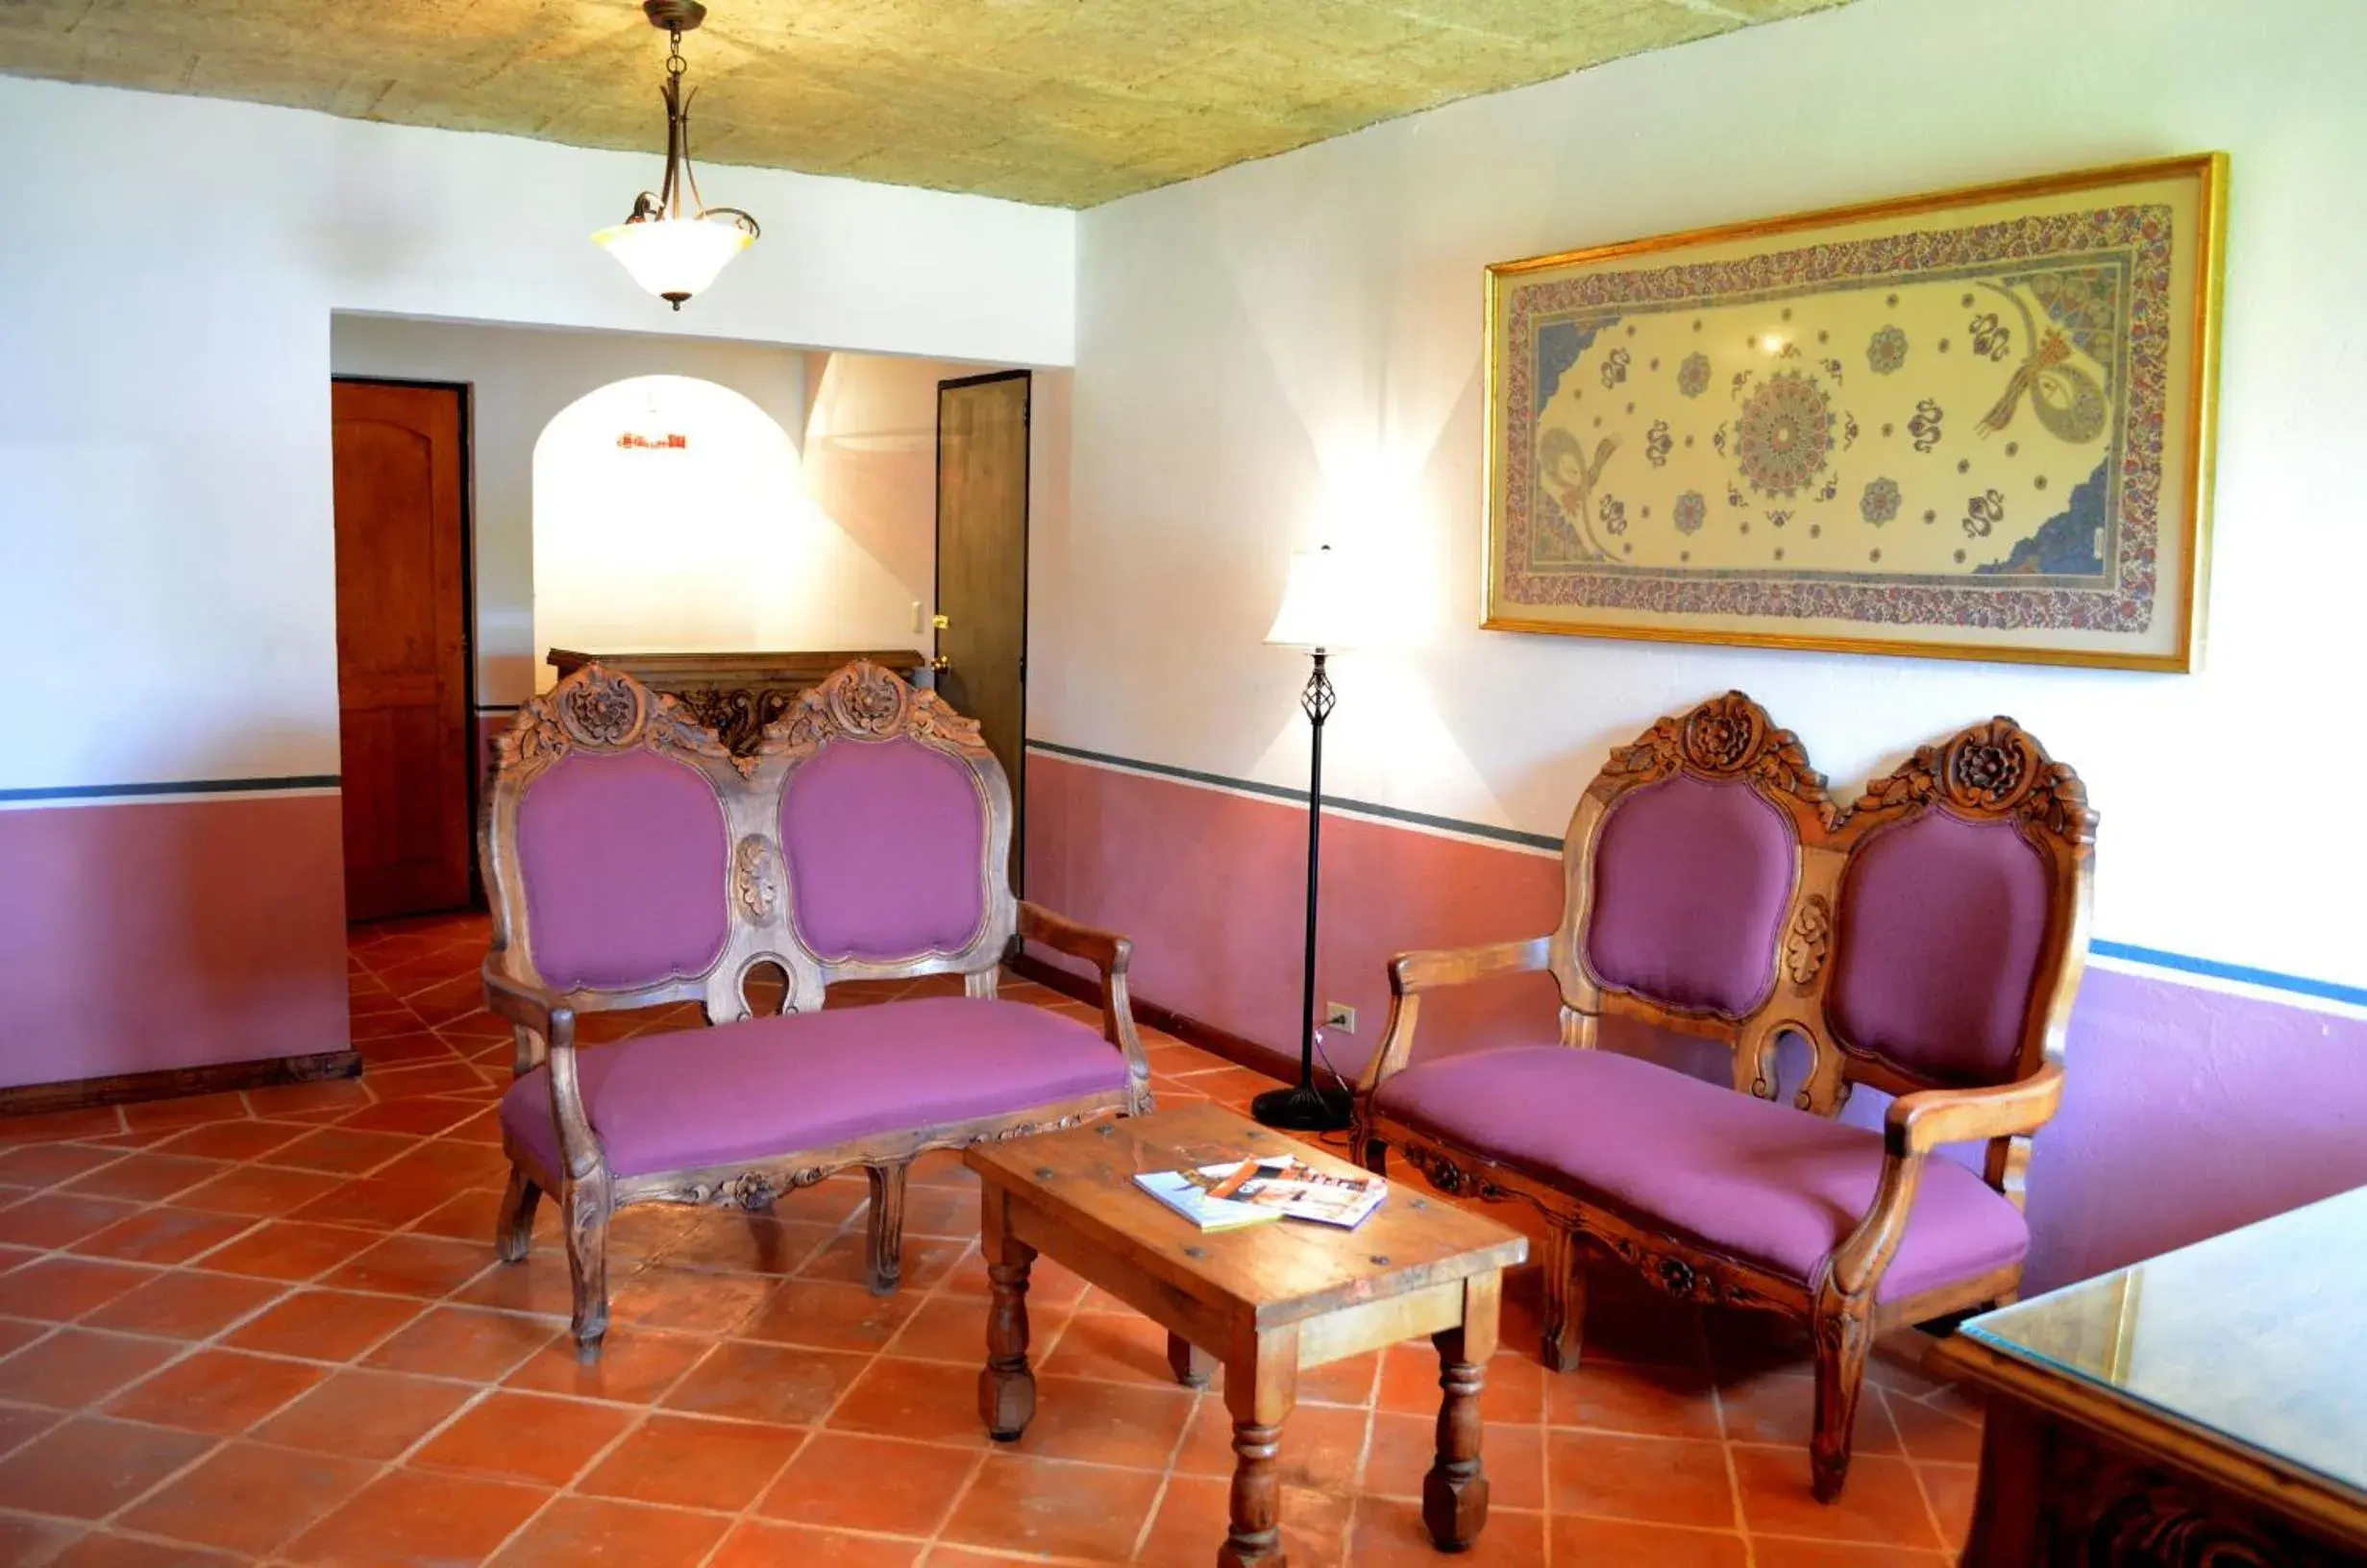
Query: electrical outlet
[{"x": 1341, "y": 1017}]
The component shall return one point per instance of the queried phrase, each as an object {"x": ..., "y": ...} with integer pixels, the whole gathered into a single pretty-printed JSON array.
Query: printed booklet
[{"x": 1250, "y": 1191}]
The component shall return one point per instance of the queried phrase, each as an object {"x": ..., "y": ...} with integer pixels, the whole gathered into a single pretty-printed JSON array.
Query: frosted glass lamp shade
[
  {"x": 1318, "y": 603},
  {"x": 675, "y": 257}
]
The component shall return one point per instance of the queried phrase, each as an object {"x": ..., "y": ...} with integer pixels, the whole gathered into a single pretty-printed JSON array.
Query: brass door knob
[{"x": 941, "y": 662}]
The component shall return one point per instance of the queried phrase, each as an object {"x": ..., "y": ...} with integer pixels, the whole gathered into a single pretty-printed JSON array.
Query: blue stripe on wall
[
  {"x": 2269, "y": 979},
  {"x": 2183, "y": 963},
  {"x": 186, "y": 786},
  {"x": 1275, "y": 791}
]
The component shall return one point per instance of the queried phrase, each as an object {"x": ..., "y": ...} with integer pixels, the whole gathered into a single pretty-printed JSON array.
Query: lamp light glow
[
  {"x": 1320, "y": 607},
  {"x": 674, "y": 257}
]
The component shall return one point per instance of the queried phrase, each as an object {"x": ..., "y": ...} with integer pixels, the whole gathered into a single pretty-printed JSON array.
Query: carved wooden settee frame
[
  {"x": 1992, "y": 772},
  {"x": 602, "y": 711}
]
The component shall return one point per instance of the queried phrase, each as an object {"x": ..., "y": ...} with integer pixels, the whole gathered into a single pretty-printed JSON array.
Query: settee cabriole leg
[
  {"x": 886, "y": 1237},
  {"x": 1565, "y": 1300},
  {"x": 513, "y": 1229},
  {"x": 587, "y": 1203},
  {"x": 1840, "y": 1331}
]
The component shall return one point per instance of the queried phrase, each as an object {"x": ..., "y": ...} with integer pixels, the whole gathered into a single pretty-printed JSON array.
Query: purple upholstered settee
[
  {"x": 634, "y": 861},
  {"x": 1926, "y": 941}
]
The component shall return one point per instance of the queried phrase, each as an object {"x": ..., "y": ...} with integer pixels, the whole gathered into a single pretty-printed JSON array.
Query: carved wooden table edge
[
  {"x": 2071, "y": 1474},
  {"x": 1453, "y": 1300}
]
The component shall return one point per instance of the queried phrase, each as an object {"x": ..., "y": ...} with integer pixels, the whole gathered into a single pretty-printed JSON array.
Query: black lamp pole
[{"x": 1308, "y": 1107}]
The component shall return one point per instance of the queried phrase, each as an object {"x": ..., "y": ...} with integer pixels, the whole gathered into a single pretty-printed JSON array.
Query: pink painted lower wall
[
  {"x": 2188, "y": 1112},
  {"x": 1212, "y": 887},
  {"x": 142, "y": 936}
]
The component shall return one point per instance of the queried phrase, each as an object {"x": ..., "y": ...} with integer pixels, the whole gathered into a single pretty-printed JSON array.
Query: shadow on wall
[{"x": 871, "y": 458}]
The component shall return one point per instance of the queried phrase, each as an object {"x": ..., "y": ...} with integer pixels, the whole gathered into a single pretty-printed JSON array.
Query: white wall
[
  {"x": 1295, "y": 343},
  {"x": 166, "y": 594}
]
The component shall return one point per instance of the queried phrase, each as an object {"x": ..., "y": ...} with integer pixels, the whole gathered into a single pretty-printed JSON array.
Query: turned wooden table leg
[
  {"x": 1455, "y": 1491},
  {"x": 1007, "y": 1386},
  {"x": 1191, "y": 1365},
  {"x": 1259, "y": 1390}
]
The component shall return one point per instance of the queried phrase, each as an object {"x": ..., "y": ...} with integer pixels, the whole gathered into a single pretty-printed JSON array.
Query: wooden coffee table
[{"x": 1264, "y": 1303}]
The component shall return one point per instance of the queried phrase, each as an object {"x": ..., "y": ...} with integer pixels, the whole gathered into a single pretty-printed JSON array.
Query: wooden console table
[
  {"x": 2208, "y": 1406},
  {"x": 1264, "y": 1303},
  {"x": 735, "y": 694}
]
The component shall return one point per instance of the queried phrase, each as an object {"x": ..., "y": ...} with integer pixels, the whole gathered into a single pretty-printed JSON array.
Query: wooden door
[
  {"x": 403, "y": 647},
  {"x": 982, "y": 569}
]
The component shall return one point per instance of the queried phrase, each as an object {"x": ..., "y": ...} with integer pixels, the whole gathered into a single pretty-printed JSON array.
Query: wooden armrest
[
  {"x": 1436, "y": 967},
  {"x": 1920, "y": 1122},
  {"x": 553, "y": 1023},
  {"x": 1105, "y": 950},
  {"x": 514, "y": 1000},
  {"x": 1410, "y": 975},
  {"x": 1916, "y": 1125},
  {"x": 1110, "y": 953}
]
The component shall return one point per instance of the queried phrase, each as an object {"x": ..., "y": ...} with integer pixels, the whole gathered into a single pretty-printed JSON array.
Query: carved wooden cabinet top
[{"x": 736, "y": 694}]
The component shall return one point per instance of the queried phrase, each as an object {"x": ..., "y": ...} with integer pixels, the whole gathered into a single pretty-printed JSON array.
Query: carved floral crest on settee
[
  {"x": 868, "y": 702},
  {"x": 597, "y": 709},
  {"x": 1726, "y": 737}
]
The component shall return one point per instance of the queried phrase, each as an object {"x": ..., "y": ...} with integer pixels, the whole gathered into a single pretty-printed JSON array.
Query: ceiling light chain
[{"x": 672, "y": 250}]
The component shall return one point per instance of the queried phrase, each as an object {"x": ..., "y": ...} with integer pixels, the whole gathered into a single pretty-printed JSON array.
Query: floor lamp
[{"x": 1314, "y": 615}]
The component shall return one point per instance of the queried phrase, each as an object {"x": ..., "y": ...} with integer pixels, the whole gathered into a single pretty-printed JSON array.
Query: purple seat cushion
[
  {"x": 623, "y": 859},
  {"x": 887, "y": 850},
  {"x": 1691, "y": 882},
  {"x": 765, "y": 1086},
  {"x": 1936, "y": 946},
  {"x": 1756, "y": 1181}
]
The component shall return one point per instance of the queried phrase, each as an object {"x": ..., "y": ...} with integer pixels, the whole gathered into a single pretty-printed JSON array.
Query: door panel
[
  {"x": 982, "y": 568},
  {"x": 401, "y": 647}
]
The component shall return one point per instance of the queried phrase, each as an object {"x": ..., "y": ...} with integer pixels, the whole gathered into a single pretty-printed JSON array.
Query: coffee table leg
[
  {"x": 1191, "y": 1365},
  {"x": 1259, "y": 1392},
  {"x": 1455, "y": 1491},
  {"x": 1007, "y": 1387}
]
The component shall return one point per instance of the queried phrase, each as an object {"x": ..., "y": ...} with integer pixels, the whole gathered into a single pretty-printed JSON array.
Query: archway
[{"x": 670, "y": 516}]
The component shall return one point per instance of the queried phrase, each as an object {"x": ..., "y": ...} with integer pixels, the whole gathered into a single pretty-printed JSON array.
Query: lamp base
[{"x": 1305, "y": 1109}]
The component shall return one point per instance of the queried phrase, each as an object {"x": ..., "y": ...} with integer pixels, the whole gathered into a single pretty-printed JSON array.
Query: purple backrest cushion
[
  {"x": 624, "y": 858},
  {"x": 1691, "y": 882},
  {"x": 886, "y": 843},
  {"x": 1936, "y": 946}
]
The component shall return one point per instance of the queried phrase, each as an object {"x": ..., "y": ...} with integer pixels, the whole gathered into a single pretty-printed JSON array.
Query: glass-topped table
[{"x": 2209, "y": 1401}]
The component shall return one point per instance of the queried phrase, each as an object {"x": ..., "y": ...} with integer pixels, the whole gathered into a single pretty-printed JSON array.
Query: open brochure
[{"x": 1247, "y": 1191}]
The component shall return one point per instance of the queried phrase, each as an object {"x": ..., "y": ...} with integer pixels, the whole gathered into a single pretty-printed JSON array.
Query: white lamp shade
[
  {"x": 1320, "y": 604},
  {"x": 675, "y": 257}
]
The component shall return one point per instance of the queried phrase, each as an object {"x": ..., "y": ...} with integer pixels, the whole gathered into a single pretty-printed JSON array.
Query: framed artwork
[{"x": 1975, "y": 425}]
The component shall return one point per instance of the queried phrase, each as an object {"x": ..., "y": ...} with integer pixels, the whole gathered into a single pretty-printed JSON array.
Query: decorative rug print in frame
[{"x": 1975, "y": 425}]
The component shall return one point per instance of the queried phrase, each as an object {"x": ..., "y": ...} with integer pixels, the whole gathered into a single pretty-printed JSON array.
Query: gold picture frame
[{"x": 1972, "y": 425}]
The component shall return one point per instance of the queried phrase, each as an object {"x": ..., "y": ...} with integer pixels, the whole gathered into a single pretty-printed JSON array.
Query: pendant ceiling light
[{"x": 674, "y": 245}]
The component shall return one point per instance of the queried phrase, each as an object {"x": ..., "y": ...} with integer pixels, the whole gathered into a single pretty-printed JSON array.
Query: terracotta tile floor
[{"x": 269, "y": 1327}]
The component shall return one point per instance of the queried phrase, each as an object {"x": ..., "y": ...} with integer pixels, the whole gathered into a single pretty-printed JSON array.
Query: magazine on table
[{"x": 1238, "y": 1193}]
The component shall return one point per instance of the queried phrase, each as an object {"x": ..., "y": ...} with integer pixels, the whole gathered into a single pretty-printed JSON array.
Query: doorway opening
[{"x": 405, "y": 665}]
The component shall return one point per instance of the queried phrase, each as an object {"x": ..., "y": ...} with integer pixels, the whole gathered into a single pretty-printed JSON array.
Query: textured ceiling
[{"x": 1062, "y": 102}]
